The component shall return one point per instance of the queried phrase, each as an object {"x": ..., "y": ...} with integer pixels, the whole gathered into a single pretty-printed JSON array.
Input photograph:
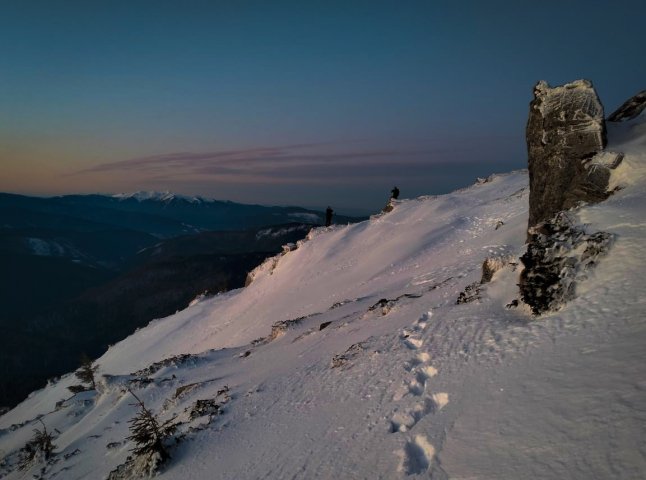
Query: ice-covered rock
[
  {"x": 631, "y": 108},
  {"x": 565, "y": 130}
]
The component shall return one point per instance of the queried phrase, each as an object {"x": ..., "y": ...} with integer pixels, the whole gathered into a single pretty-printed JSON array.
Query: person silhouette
[
  {"x": 394, "y": 193},
  {"x": 328, "y": 216}
]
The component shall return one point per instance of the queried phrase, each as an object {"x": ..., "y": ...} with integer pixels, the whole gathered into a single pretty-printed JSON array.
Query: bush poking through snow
[
  {"x": 149, "y": 434},
  {"x": 40, "y": 447}
]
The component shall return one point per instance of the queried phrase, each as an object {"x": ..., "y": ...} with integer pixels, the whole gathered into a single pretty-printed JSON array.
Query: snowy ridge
[
  {"x": 166, "y": 197},
  {"x": 347, "y": 357}
]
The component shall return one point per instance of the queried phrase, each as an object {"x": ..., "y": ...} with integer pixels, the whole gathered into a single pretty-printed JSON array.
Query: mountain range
[{"x": 83, "y": 271}]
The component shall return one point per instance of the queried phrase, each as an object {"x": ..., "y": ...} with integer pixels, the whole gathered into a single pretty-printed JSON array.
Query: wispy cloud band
[{"x": 314, "y": 162}]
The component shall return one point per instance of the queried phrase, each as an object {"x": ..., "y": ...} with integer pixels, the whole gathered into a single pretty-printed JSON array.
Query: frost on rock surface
[
  {"x": 565, "y": 130},
  {"x": 557, "y": 258},
  {"x": 568, "y": 167}
]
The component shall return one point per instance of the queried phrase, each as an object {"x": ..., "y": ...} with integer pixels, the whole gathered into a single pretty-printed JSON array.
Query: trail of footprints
[{"x": 417, "y": 454}]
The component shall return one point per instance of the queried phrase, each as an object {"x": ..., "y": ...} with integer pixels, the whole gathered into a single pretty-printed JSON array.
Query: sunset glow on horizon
[{"x": 302, "y": 103}]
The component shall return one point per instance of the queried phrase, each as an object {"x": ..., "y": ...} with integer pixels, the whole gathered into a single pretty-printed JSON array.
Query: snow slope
[{"x": 402, "y": 383}]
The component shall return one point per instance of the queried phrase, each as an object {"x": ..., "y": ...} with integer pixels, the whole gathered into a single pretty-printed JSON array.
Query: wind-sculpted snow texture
[{"x": 413, "y": 386}]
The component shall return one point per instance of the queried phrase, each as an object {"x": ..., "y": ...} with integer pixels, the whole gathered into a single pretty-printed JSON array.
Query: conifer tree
[
  {"x": 86, "y": 372},
  {"x": 41, "y": 444},
  {"x": 148, "y": 434}
]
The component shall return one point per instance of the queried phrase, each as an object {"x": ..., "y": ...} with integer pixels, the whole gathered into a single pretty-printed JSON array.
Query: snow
[
  {"x": 43, "y": 248},
  {"x": 51, "y": 248},
  {"x": 160, "y": 196},
  {"x": 402, "y": 383},
  {"x": 305, "y": 216}
]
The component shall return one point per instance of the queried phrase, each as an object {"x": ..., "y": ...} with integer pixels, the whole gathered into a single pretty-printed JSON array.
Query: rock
[
  {"x": 69, "y": 455},
  {"x": 592, "y": 181},
  {"x": 389, "y": 207},
  {"x": 384, "y": 305},
  {"x": 512, "y": 304},
  {"x": 631, "y": 108},
  {"x": 175, "y": 361},
  {"x": 185, "y": 389},
  {"x": 471, "y": 293},
  {"x": 205, "y": 407},
  {"x": 491, "y": 265},
  {"x": 279, "y": 328},
  {"x": 558, "y": 257},
  {"x": 565, "y": 130},
  {"x": 566, "y": 137},
  {"x": 345, "y": 357}
]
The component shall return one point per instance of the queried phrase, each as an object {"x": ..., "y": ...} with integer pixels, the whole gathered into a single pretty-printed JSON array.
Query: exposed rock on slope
[
  {"x": 566, "y": 135},
  {"x": 490, "y": 266},
  {"x": 564, "y": 131},
  {"x": 630, "y": 109},
  {"x": 557, "y": 258}
]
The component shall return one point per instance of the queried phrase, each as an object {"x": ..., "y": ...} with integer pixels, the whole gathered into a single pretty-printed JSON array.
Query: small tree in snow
[
  {"x": 149, "y": 434},
  {"x": 85, "y": 373},
  {"x": 40, "y": 445}
]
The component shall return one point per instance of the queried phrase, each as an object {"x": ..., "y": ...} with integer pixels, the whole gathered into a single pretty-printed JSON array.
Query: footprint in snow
[
  {"x": 411, "y": 387},
  {"x": 440, "y": 399},
  {"x": 416, "y": 388},
  {"x": 413, "y": 343},
  {"x": 411, "y": 340},
  {"x": 405, "y": 420},
  {"x": 422, "y": 371},
  {"x": 423, "y": 357},
  {"x": 416, "y": 456},
  {"x": 421, "y": 323}
]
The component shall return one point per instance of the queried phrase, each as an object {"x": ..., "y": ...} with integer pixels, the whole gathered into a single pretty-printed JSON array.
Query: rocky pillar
[{"x": 565, "y": 130}]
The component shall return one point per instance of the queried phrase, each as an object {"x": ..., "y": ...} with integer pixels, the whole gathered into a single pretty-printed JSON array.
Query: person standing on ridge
[
  {"x": 328, "y": 216},
  {"x": 394, "y": 193}
]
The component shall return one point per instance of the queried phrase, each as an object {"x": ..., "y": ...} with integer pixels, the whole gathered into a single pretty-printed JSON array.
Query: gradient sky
[{"x": 305, "y": 103}]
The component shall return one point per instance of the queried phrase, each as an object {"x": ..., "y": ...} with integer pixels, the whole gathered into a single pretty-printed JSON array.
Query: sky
[{"x": 304, "y": 103}]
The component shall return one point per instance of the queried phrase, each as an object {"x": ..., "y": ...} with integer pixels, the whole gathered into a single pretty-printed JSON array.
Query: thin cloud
[
  {"x": 179, "y": 159},
  {"x": 287, "y": 163}
]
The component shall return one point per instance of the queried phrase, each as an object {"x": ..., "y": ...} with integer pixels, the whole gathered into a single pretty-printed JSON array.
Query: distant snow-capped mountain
[{"x": 161, "y": 196}]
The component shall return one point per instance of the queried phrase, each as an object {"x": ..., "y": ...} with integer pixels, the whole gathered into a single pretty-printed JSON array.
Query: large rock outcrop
[
  {"x": 565, "y": 130},
  {"x": 566, "y": 137},
  {"x": 631, "y": 108}
]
